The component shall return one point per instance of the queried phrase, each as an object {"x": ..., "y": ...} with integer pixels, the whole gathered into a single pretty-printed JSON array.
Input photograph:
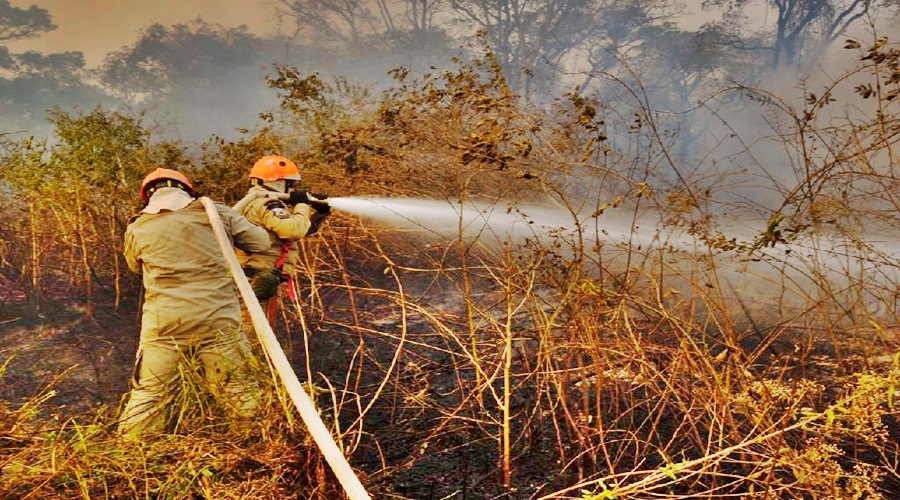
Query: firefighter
[
  {"x": 288, "y": 214},
  {"x": 191, "y": 308}
]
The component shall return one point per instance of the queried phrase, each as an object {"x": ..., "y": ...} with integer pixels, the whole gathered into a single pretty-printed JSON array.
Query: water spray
[
  {"x": 516, "y": 221},
  {"x": 797, "y": 265}
]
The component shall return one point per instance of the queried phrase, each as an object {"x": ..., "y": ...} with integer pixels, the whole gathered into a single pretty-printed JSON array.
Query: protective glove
[
  {"x": 321, "y": 206},
  {"x": 265, "y": 283},
  {"x": 304, "y": 197},
  {"x": 298, "y": 197}
]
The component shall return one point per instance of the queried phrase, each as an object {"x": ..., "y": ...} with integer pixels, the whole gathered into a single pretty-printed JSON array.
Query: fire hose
[
  {"x": 302, "y": 401},
  {"x": 253, "y": 194}
]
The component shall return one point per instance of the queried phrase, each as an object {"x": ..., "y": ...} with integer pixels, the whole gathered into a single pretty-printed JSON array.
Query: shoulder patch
[{"x": 278, "y": 209}]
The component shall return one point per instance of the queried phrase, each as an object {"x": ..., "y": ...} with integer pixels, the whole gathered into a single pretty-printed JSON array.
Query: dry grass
[
  {"x": 632, "y": 393},
  {"x": 209, "y": 454}
]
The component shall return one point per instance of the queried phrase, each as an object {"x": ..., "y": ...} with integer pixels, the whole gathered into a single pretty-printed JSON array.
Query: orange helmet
[
  {"x": 163, "y": 174},
  {"x": 273, "y": 168}
]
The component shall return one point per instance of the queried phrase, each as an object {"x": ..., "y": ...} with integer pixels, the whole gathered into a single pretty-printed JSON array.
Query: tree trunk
[{"x": 33, "y": 285}]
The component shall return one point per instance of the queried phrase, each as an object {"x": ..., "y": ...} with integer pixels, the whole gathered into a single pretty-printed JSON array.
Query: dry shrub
[
  {"x": 575, "y": 386},
  {"x": 573, "y": 367},
  {"x": 211, "y": 453}
]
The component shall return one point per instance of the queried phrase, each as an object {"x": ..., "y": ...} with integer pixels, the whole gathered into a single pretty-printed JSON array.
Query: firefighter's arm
[
  {"x": 245, "y": 235},
  {"x": 314, "y": 206},
  {"x": 287, "y": 224},
  {"x": 316, "y": 219},
  {"x": 130, "y": 252}
]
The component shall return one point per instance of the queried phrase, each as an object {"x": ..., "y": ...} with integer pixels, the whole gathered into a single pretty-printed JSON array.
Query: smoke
[
  {"x": 672, "y": 101},
  {"x": 789, "y": 276},
  {"x": 213, "y": 75},
  {"x": 224, "y": 106}
]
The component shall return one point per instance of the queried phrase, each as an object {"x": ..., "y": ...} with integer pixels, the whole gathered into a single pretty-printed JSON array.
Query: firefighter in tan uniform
[
  {"x": 191, "y": 307},
  {"x": 288, "y": 215}
]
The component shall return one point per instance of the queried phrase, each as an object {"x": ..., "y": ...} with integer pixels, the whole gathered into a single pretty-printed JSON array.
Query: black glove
[
  {"x": 298, "y": 197},
  {"x": 304, "y": 197},
  {"x": 265, "y": 283},
  {"x": 320, "y": 206}
]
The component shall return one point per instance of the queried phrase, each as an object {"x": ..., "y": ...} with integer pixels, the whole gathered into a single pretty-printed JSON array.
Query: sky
[{"x": 97, "y": 27}]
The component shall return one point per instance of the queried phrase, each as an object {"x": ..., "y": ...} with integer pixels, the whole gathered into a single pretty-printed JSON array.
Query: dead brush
[
  {"x": 589, "y": 369},
  {"x": 625, "y": 388}
]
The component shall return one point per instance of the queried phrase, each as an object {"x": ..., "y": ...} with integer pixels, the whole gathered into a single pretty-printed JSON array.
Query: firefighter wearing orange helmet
[
  {"x": 289, "y": 215},
  {"x": 191, "y": 306}
]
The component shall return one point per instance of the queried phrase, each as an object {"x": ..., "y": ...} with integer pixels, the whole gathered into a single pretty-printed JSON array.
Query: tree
[
  {"x": 165, "y": 60},
  {"x": 346, "y": 22},
  {"x": 680, "y": 70},
  {"x": 33, "y": 82},
  {"x": 421, "y": 13},
  {"x": 42, "y": 82},
  {"x": 624, "y": 29},
  {"x": 16, "y": 23},
  {"x": 371, "y": 36},
  {"x": 79, "y": 190},
  {"x": 192, "y": 77},
  {"x": 799, "y": 29},
  {"x": 530, "y": 37}
]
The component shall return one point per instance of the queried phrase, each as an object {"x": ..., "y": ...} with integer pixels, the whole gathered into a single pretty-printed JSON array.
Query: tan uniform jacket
[
  {"x": 189, "y": 289},
  {"x": 285, "y": 227}
]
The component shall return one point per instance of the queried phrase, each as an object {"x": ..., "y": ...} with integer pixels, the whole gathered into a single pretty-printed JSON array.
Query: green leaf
[{"x": 669, "y": 470}]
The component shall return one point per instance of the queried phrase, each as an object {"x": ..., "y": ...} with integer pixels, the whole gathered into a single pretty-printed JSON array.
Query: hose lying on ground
[{"x": 305, "y": 405}]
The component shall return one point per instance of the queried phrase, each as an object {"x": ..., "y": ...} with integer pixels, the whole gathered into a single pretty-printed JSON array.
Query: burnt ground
[
  {"x": 456, "y": 462},
  {"x": 88, "y": 363}
]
